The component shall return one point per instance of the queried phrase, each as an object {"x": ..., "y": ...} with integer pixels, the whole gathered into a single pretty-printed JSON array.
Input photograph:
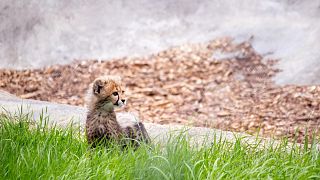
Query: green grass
[{"x": 30, "y": 151}]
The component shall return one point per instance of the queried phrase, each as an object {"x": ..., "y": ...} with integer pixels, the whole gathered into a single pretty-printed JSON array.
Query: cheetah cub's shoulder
[{"x": 104, "y": 94}]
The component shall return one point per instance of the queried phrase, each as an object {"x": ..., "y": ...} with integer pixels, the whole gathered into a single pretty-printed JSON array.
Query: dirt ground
[{"x": 219, "y": 84}]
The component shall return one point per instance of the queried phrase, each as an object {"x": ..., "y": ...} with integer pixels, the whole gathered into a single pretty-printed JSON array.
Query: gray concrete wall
[{"x": 39, "y": 33}]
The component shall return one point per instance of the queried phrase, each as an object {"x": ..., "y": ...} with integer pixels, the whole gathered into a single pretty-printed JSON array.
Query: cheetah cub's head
[{"x": 108, "y": 90}]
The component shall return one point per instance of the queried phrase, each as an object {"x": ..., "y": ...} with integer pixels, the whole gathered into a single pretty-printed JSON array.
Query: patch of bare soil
[{"x": 188, "y": 85}]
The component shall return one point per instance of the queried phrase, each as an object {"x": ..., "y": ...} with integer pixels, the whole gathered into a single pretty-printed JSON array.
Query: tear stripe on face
[{"x": 117, "y": 102}]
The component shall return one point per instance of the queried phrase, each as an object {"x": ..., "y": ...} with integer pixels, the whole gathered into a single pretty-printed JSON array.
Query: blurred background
[
  {"x": 250, "y": 66},
  {"x": 36, "y": 33}
]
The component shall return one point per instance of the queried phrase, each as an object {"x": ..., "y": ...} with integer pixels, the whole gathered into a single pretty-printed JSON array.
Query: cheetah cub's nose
[{"x": 122, "y": 103}]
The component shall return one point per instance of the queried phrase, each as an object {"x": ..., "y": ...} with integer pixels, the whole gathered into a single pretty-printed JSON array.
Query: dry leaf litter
[{"x": 219, "y": 84}]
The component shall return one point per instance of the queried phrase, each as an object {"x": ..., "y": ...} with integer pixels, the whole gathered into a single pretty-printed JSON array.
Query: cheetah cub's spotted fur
[{"x": 104, "y": 94}]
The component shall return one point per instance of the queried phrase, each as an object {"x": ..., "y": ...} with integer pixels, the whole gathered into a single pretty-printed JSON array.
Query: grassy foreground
[{"x": 29, "y": 151}]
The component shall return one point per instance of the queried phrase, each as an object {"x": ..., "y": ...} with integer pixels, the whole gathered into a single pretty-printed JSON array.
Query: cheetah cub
[{"x": 103, "y": 96}]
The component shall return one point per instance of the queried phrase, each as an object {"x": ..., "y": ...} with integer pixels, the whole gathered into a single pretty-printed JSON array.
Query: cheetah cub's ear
[
  {"x": 97, "y": 86},
  {"x": 102, "y": 87}
]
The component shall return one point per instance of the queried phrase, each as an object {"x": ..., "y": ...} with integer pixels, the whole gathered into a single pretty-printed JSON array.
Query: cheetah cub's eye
[{"x": 115, "y": 93}]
